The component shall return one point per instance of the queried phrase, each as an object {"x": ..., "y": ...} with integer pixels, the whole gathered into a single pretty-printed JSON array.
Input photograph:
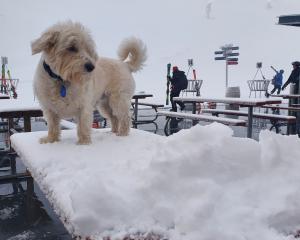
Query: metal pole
[
  {"x": 27, "y": 123},
  {"x": 250, "y": 121},
  {"x": 226, "y": 73},
  {"x": 136, "y": 104},
  {"x": 31, "y": 213},
  {"x": 194, "y": 112}
]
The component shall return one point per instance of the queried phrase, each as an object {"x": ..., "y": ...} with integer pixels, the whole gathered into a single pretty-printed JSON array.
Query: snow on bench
[
  {"x": 275, "y": 117},
  {"x": 200, "y": 117},
  {"x": 281, "y": 107},
  {"x": 149, "y": 104}
]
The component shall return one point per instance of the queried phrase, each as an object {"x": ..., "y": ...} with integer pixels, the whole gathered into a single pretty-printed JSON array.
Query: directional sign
[
  {"x": 229, "y": 48},
  {"x": 219, "y": 52},
  {"x": 232, "y": 62},
  {"x": 220, "y": 58},
  {"x": 229, "y": 56},
  {"x": 234, "y": 48},
  {"x": 232, "y": 59},
  {"x": 232, "y": 54}
]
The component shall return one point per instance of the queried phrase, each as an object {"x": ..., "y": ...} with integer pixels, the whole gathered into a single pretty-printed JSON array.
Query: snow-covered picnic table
[
  {"x": 250, "y": 103},
  {"x": 198, "y": 184},
  {"x": 18, "y": 108}
]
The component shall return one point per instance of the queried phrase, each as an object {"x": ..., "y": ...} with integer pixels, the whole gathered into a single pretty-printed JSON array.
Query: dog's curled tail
[{"x": 135, "y": 51}]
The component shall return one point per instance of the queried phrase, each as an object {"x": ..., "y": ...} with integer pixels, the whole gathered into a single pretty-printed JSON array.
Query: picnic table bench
[
  {"x": 135, "y": 98},
  {"x": 137, "y": 119},
  {"x": 292, "y": 108},
  {"x": 154, "y": 106},
  {"x": 197, "y": 118},
  {"x": 274, "y": 118}
]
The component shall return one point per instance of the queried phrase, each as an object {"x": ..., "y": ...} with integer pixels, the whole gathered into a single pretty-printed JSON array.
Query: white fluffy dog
[{"x": 71, "y": 80}]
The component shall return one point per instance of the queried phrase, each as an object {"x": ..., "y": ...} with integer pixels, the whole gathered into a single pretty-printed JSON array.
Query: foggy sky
[{"x": 173, "y": 31}]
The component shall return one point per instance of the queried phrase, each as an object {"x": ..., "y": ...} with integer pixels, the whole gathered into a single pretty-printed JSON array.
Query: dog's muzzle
[{"x": 89, "y": 67}]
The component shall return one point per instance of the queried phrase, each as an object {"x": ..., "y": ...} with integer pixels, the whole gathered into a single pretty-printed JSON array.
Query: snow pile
[{"x": 200, "y": 183}]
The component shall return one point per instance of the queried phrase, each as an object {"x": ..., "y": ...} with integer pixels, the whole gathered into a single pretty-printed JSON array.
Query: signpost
[
  {"x": 3, "y": 79},
  {"x": 229, "y": 56}
]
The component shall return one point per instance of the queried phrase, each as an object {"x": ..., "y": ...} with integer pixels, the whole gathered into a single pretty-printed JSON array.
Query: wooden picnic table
[
  {"x": 244, "y": 102},
  {"x": 136, "y": 98},
  {"x": 291, "y": 98},
  {"x": 16, "y": 108}
]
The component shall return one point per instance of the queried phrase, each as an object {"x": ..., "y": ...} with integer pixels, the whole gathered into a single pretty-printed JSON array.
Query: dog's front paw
[
  {"x": 84, "y": 141},
  {"x": 114, "y": 129},
  {"x": 123, "y": 133},
  {"x": 44, "y": 140}
]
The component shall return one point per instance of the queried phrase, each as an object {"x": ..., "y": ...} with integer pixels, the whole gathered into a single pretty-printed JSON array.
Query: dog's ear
[{"x": 45, "y": 42}]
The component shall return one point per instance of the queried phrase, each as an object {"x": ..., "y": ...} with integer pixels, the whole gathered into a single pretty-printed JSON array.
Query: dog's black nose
[{"x": 89, "y": 67}]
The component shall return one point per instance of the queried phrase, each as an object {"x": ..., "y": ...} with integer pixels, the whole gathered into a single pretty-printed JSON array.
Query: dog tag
[{"x": 63, "y": 91}]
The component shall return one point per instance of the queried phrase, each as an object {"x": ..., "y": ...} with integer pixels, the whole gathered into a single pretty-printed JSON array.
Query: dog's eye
[{"x": 72, "y": 49}]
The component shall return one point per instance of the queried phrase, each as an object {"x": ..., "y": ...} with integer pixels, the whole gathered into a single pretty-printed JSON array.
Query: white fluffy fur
[{"x": 67, "y": 47}]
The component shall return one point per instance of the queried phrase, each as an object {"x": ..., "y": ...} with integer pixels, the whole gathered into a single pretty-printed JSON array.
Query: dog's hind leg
[
  {"x": 106, "y": 112},
  {"x": 84, "y": 124},
  {"x": 53, "y": 122},
  {"x": 123, "y": 125},
  {"x": 120, "y": 105}
]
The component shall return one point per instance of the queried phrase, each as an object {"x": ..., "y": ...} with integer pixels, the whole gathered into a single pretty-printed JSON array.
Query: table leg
[
  {"x": 194, "y": 108},
  {"x": 27, "y": 124},
  {"x": 10, "y": 124},
  {"x": 195, "y": 122},
  {"x": 250, "y": 121},
  {"x": 135, "y": 112},
  {"x": 13, "y": 171},
  {"x": 31, "y": 213},
  {"x": 289, "y": 127}
]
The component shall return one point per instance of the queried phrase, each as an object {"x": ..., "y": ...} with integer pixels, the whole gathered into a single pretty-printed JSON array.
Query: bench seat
[
  {"x": 281, "y": 107},
  {"x": 199, "y": 117},
  {"x": 149, "y": 104},
  {"x": 147, "y": 119},
  {"x": 276, "y": 117}
]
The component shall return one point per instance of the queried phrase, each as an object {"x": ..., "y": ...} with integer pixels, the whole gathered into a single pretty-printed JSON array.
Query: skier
[
  {"x": 276, "y": 81},
  {"x": 179, "y": 82}
]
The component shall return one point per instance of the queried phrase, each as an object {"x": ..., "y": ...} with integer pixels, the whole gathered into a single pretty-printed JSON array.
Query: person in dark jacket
[
  {"x": 294, "y": 77},
  {"x": 178, "y": 80}
]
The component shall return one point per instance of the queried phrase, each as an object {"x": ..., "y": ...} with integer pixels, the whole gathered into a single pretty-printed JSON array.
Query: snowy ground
[{"x": 200, "y": 183}]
